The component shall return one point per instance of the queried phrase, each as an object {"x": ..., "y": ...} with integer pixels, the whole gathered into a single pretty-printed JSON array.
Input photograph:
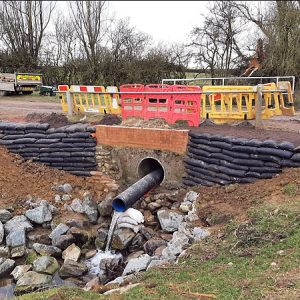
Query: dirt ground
[{"x": 20, "y": 178}]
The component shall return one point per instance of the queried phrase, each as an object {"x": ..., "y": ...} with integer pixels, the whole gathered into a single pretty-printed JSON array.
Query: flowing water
[{"x": 112, "y": 229}]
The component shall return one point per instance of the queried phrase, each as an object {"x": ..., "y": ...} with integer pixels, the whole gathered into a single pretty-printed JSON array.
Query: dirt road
[{"x": 13, "y": 109}]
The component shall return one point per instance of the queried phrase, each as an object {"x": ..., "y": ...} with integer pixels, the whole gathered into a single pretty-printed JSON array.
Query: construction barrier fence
[{"x": 181, "y": 102}]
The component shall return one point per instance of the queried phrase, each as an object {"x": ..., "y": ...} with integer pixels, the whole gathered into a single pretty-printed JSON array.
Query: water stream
[{"x": 112, "y": 229}]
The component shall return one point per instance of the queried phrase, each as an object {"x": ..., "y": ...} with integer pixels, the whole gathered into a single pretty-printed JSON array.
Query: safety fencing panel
[
  {"x": 286, "y": 99},
  {"x": 158, "y": 105},
  {"x": 186, "y": 107},
  {"x": 62, "y": 89},
  {"x": 133, "y": 104},
  {"x": 87, "y": 99},
  {"x": 113, "y": 100},
  {"x": 170, "y": 105}
]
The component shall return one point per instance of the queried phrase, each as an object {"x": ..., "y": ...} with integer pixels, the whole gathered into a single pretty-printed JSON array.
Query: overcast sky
[{"x": 168, "y": 21}]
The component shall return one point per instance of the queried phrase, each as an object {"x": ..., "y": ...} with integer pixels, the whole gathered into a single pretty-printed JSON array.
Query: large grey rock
[
  {"x": 71, "y": 253},
  {"x": 63, "y": 241},
  {"x": 71, "y": 268},
  {"x": 81, "y": 235},
  {"x": 121, "y": 238},
  {"x": 60, "y": 229},
  {"x": 4, "y": 251},
  {"x": 18, "y": 222},
  {"x": 177, "y": 244},
  {"x": 46, "y": 265},
  {"x": 17, "y": 252},
  {"x": 46, "y": 250},
  {"x": 111, "y": 263},
  {"x": 151, "y": 245},
  {"x": 19, "y": 271},
  {"x": 169, "y": 220},
  {"x": 67, "y": 188},
  {"x": 32, "y": 279},
  {"x": 5, "y": 215},
  {"x": 1, "y": 232},
  {"x": 91, "y": 210},
  {"x": 76, "y": 206},
  {"x": 100, "y": 241},
  {"x": 137, "y": 264},
  {"x": 200, "y": 233},
  {"x": 6, "y": 266},
  {"x": 105, "y": 207},
  {"x": 16, "y": 238},
  {"x": 40, "y": 214},
  {"x": 190, "y": 196},
  {"x": 157, "y": 263}
]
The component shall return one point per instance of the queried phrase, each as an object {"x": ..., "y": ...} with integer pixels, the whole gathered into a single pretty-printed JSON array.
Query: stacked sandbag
[
  {"x": 216, "y": 159},
  {"x": 70, "y": 148}
]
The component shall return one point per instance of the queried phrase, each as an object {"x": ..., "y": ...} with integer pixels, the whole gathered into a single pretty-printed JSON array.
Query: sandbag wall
[
  {"x": 70, "y": 148},
  {"x": 215, "y": 159}
]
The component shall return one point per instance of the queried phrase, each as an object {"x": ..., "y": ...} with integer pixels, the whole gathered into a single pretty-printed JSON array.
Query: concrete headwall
[{"x": 70, "y": 148}]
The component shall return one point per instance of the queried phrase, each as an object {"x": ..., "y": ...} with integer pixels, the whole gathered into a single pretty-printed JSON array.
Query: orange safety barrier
[
  {"x": 158, "y": 105},
  {"x": 186, "y": 106},
  {"x": 169, "y": 105},
  {"x": 133, "y": 103}
]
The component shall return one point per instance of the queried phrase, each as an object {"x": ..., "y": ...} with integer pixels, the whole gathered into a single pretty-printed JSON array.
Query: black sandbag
[
  {"x": 79, "y": 127},
  {"x": 296, "y": 157},
  {"x": 80, "y": 165},
  {"x": 84, "y": 145},
  {"x": 232, "y": 172},
  {"x": 42, "y": 131},
  {"x": 35, "y": 135},
  {"x": 269, "y": 144},
  {"x": 197, "y": 151},
  {"x": 253, "y": 174},
  {"x": 221, "y": 156},
  {"x": 222, "y": 145},
  {"x": 233, "y": 166},
  {"x": 220, "y": 138},
  {"x": 28, "y": 150},
  {"x": 267, "y": 175},
  {"x": 6, "y": 142},
  {"x": 244, "y": 179},
  {"x": 58, "y": 135},
  {"x": 236, "y": 154},
  {"x": 30, "y": 155},
  {"x": 11, "y": 132},
  {"x": 276, "y": 152},
  {"x": 264, "y": 157},
  {"x": 79, "y": 135},
  {"x": 272, "y": 164},
  {"x": 55, "y": 154},
  {"x": 253, "y": 143},
  {"x": 265, "y": 170},
  {"x": 286, "y": 146},
  {"x": 209, "y": 148},
  {"x": 199, "y": 180},
  {"x": 62, "y": 145},
  {"x": 238, "y": 141},
  {"x": 84, "y": 154},
  {"x": 43, "y": 126},
  {"x": 79, "y": 169},
  {"x": 44, "y": 150},
  {"x": 208, "y": 172},
  {"x": 245, "y": 149},
  {"x": 38, "y": 145},
  {"x": 80, "y": 159},
  {"x": 13, "y": 137},
  {"x": 289, "y": 163},
  {"x": 91, "y": 129},
  {"x": 248, "y": 162},
  {"x": 194, "y": 162},
  {"x": 48, "y": 141},
  {"x": 195, "y": 174},
  {"x": 90, "y": 140},
  {"x": 81, "y": 173},
  {"x": 51, "y": 159},
  {"x": 90, "y": 149},
  {"x": 188, "y": 182},
  {"x": 24, "y": 141},
  {"x": 203, "y": 158},
  {"x": 297, "y": 149},
  {"x": 15, "y": 147},
  {"x": 74, "y": 140},
  {"x": 200, "y": 141},
  {"x": 200, "y": 135}
]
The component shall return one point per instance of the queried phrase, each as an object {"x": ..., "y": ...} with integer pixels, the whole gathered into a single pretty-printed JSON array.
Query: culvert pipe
[{"x": 154, "y": 176}]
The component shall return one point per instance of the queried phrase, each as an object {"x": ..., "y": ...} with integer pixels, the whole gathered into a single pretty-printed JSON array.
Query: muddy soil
[
  {"x": 20, "y": 178},
  {"x": 55, "y": 120}
]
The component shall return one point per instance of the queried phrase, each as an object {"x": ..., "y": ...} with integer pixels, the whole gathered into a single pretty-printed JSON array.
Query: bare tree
[
  {"x": 23, "y": 25},
  {"x": 216, "y": 44}
]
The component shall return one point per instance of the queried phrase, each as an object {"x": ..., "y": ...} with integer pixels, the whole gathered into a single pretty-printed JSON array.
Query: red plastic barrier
[
  {"x": 158, "y": 105},
  {"x": 63, "y": 88},
  {"x": 186, "y": 106},
  {"x": 133, "y": 103}
]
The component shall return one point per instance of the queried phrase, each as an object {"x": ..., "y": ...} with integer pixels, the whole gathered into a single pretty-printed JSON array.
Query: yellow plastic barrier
[
  {"x": 62, "y": 89},
  {"x": 87, "y": 99},
  {"x": 114, "y": 100},
  {"x": 286, "y": 99}
]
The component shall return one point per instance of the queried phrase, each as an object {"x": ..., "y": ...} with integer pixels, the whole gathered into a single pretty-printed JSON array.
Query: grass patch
[
  {"x": 31, "y": 257},
  {"x": 290, "y": 189},
  {"x": 242, "y": 266}
]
